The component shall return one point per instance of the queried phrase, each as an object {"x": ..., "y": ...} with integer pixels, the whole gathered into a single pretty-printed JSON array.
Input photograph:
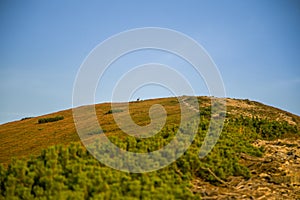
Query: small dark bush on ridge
[
  {"x": 26, "y": 118},
  {"x": 114, "y": 111},
  {"x": 50, "y": 119}
]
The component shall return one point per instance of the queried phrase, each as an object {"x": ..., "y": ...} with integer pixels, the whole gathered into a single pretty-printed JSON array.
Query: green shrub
[
  {"x": 50, "y": 119},
  {"x": 114, "y": 111},
  {"x": 26, "y": 118},
  {"x": 96, "y": 132}
]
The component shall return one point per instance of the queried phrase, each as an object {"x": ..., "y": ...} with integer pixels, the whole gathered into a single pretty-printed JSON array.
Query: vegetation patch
[
  {"x": 50, "y": 119},
  {"x": 26, "y": 118},
  {"x": 114, "y": 111},
  {"x": 97, "y": 132},
  {"x": 72, "y": 173}
]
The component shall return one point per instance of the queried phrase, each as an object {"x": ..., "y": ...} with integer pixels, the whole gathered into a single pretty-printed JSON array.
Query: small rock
[
  {"x": 287, "y": 163},
  {"x": 264, "y": 175}
]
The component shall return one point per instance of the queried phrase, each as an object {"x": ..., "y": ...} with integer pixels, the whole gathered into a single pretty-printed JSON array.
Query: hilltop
[{"x": 257, "y": 155}]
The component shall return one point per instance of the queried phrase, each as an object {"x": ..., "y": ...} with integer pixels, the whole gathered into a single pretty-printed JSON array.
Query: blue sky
[{"x": 255, "y": 45}]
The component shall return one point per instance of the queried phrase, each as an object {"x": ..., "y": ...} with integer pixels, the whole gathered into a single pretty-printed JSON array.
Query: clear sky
[{"x": 255, "y": 44}]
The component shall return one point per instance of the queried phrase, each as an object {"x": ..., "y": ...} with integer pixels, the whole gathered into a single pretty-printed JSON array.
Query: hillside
[
  {"x": 26, "y": 137},
  {"x": 257, "y": 155}
]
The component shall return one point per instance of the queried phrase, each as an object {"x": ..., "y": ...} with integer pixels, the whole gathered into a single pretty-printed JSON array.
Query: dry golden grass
[{"x": 28, "y": 137}]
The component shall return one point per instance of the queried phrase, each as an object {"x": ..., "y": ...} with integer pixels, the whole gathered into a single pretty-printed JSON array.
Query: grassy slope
[{"x": 26, "y": 137}]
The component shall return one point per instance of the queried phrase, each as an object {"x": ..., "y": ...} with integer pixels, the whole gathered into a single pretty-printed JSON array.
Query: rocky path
[{"x": 274, "y": 176}]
